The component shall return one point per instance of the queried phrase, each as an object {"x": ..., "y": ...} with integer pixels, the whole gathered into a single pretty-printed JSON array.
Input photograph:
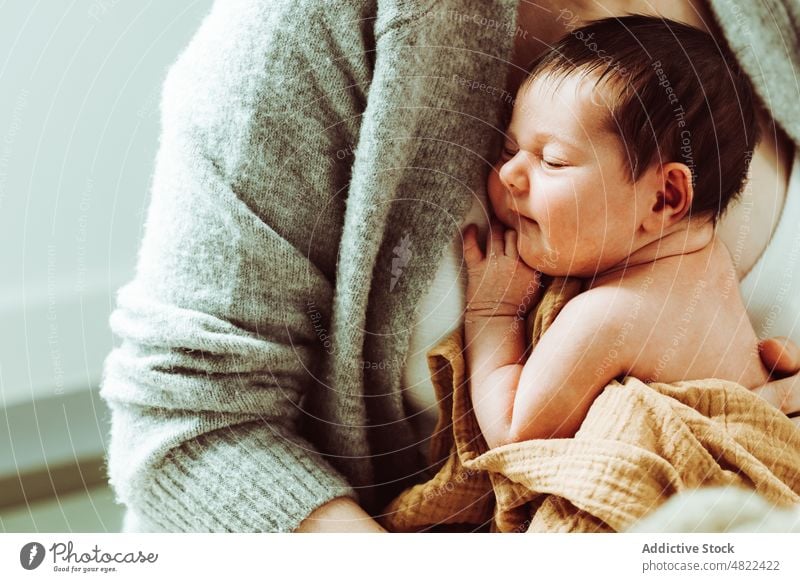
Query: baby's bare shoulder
[
  {"x": 619, "y": 294},
  {"x": 604, "y": 325},
  {"x": 609, "y": 305}
]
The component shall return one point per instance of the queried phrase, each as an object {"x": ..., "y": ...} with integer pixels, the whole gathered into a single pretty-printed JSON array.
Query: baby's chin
[
  {"x": 544, "y": 261},
  {"x": 551, "y": 261},
  {"x": 548, "y": 265},
  {"x": 548, "y": 269},
  {"x": 543, "y": 265}
]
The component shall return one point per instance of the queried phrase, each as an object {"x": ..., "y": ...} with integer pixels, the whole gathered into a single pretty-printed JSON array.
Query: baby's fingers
[
  {"x": 472, "y": 250},
  {"x": 494, "y": 239},
  {"x": 511, "y": 243}
]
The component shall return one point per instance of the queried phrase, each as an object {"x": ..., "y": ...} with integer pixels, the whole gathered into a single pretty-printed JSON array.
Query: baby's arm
[
  {"x": 548, "y": 395},
  {"x": 494, "y": 348},
  {"x": 500, "y": 291},
  {"x": 572, "y": 362}
]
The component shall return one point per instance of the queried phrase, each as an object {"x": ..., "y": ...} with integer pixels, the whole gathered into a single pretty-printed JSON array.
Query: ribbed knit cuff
[{"x": 245, "y": 478}]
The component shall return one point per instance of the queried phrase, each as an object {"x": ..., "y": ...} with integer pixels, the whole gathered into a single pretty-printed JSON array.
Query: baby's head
[{"x": 628, "y": 130}]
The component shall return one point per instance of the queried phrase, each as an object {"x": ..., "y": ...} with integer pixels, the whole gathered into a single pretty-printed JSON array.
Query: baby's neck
[{"x": 690, "y": 239}]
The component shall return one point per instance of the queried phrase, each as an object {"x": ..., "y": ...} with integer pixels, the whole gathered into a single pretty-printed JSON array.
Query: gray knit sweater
[{"x": 315, "y": 161}]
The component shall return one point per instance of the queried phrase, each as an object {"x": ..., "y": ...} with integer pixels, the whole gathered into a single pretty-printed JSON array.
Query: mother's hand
[{"x": 782, "y": 357}]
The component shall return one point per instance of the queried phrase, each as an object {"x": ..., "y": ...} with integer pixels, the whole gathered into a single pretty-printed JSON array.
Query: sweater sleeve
[{"x": 218, "y": 343}]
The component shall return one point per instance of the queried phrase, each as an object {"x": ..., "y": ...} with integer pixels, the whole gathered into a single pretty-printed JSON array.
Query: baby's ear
[{"x": 673, "y": 197}]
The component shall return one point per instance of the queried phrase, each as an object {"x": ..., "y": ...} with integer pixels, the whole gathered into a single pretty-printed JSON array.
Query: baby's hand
[{"x": 498, "y": 283}]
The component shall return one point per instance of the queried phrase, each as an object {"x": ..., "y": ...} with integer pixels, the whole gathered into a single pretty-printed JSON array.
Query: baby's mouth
[{"x": 518, "y": 221}]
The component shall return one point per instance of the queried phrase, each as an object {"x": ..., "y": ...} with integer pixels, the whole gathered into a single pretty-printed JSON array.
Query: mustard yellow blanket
[{"x": 639, "y": 445}]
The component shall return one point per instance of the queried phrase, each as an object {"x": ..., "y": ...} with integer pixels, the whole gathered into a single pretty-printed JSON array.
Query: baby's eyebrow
[{"x": 544, "y": 137}]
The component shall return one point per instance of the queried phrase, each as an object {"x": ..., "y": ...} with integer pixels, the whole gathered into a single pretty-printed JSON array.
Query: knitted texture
[
  {"x": 304, "y": 149},
  {"x": 639, "y": 445},
  {"x": 764, "y": 36},
  {"x": 315, "y": 161}
]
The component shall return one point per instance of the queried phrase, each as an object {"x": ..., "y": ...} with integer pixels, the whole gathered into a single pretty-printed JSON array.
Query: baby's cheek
[{"x": 496, "y": 193}]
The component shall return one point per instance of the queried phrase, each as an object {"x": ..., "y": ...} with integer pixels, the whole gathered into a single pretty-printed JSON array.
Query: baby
[{"x": 626, "y": 143}]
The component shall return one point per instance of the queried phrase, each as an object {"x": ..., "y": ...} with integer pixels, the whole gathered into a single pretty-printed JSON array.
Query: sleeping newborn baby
[{"x": 626, "y": 143}]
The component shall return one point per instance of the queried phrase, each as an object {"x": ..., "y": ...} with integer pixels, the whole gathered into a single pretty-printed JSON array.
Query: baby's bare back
[{"x": 687, "y": 321}]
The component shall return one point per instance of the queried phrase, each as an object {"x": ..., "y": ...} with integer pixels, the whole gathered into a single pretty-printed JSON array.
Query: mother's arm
[
  {"x": 782, "y": 357},
  {"x": 217, "y": 348}
]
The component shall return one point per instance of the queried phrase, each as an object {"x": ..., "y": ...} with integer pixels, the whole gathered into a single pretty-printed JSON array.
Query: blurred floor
[
  {"x": 85, "y": 511},
  {"x": 53, "y": 476}
]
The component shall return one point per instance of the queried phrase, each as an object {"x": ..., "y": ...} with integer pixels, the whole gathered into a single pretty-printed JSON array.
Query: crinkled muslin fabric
[
  {"x": 639, "y": 445},
  {"x": 255, "y": 377}
]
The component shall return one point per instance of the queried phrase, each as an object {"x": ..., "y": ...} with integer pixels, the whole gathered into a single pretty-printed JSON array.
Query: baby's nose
[{"x": 514, "y": 178}]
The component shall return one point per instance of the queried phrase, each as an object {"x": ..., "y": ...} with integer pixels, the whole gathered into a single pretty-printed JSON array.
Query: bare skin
[
  {"x": 671, "y": 317},
  {"x": 661, "y": 301},
  {"x": 340, "y": 515},
  {"x": 769, "y": 172},
  {"x": 545, "y": 21},
  {"x": 762, "y": 200}
]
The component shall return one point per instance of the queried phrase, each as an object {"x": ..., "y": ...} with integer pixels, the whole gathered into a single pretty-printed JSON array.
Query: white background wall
[{"x": 80, "y": 85}]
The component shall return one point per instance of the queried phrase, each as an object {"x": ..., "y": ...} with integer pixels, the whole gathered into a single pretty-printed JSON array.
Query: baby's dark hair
[{"x": 675, "y": 94}]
